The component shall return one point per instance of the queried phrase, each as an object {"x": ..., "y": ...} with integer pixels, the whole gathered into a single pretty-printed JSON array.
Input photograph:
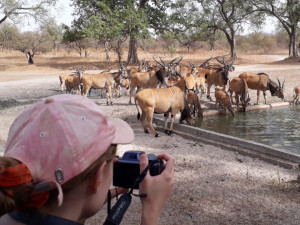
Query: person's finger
[
  {"x": 170, "y": 162},
  {"x": 143, "y": 162},
  {"x": 117, "y": 191}
]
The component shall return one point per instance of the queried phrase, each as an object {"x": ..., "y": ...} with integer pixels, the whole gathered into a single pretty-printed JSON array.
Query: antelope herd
[{"x": 169, "y": 88}]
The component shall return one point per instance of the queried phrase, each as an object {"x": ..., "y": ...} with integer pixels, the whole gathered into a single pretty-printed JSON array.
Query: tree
[
  {"x": 8, "y": 34},
  {"x": 288, "y": 14},
  {"x": 115, "y": 20},
  {"x": 55, "y": 31},
  {"x": 77, "y": 40},
  {"x": 32, "y": 43},
  {"x": 186, "y": 24},
  {"x": 228, "y": 16},
  {"x": 15, "y": 9}
]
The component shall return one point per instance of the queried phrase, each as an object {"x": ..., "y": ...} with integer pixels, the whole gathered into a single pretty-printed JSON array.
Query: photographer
[{"x": 58, "y": 165}]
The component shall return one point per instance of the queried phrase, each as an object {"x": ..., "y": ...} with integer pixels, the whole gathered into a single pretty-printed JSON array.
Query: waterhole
[{"x": 276, "y": 127}]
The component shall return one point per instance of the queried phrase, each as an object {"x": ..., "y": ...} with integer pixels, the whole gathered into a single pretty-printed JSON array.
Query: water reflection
[{"x": 279, "y": 127}]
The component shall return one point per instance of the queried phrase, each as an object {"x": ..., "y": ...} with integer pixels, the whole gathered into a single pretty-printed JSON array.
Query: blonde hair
[{"x": 17, "y": 196}]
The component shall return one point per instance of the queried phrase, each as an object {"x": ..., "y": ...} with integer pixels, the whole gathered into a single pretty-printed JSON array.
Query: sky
[{"x": 63, "y": 14}]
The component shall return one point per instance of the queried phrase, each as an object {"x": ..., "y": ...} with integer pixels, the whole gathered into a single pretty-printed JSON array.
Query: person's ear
[{"x": 98, "y": 177}]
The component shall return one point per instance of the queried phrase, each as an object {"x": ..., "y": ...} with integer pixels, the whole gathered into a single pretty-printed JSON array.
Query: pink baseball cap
[{"x": 59, "y": 137}]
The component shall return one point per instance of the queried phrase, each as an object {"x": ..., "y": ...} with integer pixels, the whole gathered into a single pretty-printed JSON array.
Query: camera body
[{"x": 127, "y": 169}]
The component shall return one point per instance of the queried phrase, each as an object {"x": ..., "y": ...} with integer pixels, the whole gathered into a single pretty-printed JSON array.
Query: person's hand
[
  {"x": 157, "y": 188},
  {"x": 115, "y": 192}
]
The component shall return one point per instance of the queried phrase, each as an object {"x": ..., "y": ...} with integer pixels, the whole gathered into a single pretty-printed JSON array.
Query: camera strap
[{"x": 115, "y": 215}]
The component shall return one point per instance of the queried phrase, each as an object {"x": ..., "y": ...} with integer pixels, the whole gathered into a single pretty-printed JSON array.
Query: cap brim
[{"x": 124, "y": 133}]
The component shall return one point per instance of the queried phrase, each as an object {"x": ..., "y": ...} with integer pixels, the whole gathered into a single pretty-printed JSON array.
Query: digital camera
[{"x": 127, "y": 169}]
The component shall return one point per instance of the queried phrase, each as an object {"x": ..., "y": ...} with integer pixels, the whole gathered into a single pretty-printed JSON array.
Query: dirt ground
[{"x": 212, "y": 185}]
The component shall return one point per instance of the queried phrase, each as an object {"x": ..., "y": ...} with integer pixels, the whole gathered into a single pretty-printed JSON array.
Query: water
[{"x": 278, "y": 127}]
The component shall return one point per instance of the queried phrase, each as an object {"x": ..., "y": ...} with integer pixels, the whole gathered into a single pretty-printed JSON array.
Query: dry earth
[{"x": 212, "y": 185}]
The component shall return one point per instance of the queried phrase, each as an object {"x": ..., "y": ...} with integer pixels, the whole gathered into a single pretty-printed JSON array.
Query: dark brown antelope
[
  {"x": 240, "y": 88},
  {"x": 262, "y": 82},
  {"x": 163, "y": 101}
]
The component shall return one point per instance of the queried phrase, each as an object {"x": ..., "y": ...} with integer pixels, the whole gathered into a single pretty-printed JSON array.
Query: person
[{"x": 58, "y": 165}]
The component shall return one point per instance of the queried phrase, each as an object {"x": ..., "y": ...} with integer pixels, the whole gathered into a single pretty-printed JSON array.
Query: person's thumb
[{"x": 143, "y": 162}]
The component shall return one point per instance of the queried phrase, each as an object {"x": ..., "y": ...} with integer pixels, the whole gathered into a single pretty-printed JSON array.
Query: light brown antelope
[
  {"x": 200, "y": 80},
  {"x": 223, "y": 99},
  {"x": 194, "y": 104},
  {"x": 63, "y": 77},
  {"x": 219, "y": 76},
  {"x": 296, "y": 95},
  {"x": 143, "y": 67},
  {"x": 163, "y": 101},
  {"x": 240, "y": 88},
  {"x": 103, "y": 80},
  {"x": 74, "y": 82},
  {"x": 150, "y": 79},
  {"x": 262, "y": 82},
  {"x": 118, "y": 87}
]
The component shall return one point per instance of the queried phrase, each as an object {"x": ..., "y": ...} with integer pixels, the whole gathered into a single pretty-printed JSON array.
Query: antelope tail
[
  {"x": 138, "y": 115},
  {"x": 245, "y": 91}
]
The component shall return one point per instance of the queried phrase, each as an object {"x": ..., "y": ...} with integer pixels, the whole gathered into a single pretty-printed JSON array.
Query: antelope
[
  {"x": 240, "y": 88},
  {"x": 163, "y": 101},
  {"x": 262, "y": 82},
  {"x": 194, "y": 104},
  {"x": 223, "y": 99},
  {"x": 149, "y": 79},
  {"x": 63, "y": 77},
  {"x": 203, "y": 70},
  {"x": 143, "y": 67},
  {"x": 117, "y": 87},
  {"x": 73, "y": 82},
  {"x": 218, "y": 76},
  {"x": 296, "y": 95},
  {"x": 103, "y": 80}
]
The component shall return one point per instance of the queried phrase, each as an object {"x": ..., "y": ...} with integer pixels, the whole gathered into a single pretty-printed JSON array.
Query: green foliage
[
  {"x": 8, "y": 34},
  {"x": 111, "y": 20},
  {"x": 35, "y": 42},
  {"x": 259, "y": 42}
]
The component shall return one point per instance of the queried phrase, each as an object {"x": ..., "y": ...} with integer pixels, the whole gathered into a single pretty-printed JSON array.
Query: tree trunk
[
  {"x": 30, "y": 58},
  {"x": 232, "y": 44},
  {"x": 132, "y": 52},
  {"x": 293, "y": 43},
  {"x": 106, "y": 50},
  {"x": 119, "y": 50}
]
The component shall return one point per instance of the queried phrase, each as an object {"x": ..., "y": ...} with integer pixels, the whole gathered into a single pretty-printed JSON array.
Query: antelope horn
[
  {"x": 157, "y": 62},
  {"x": 283, "y": 83},
  {"x": 162, "y": 61},
  {"x": 179, "y": 60},
  {"x": 279, "y": 82},
  {"x": 172, "y": 60},
  {"x": 220, "y": 61}
]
